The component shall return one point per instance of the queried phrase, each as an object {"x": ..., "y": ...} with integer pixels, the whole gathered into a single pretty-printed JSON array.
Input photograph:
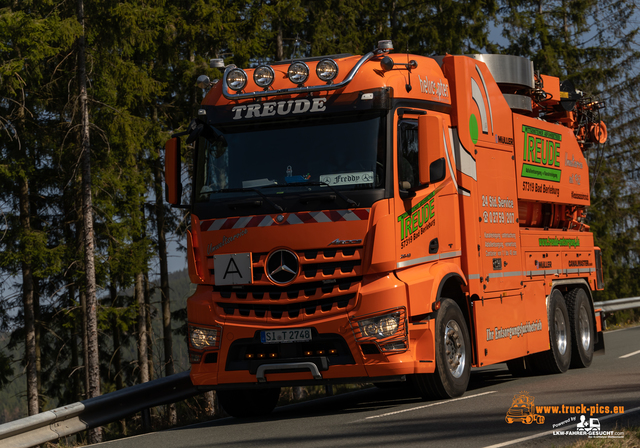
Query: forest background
[{"x": 89, "y": 93}]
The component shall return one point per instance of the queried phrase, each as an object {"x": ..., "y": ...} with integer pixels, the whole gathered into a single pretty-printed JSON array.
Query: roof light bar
[
  {"x": 236, "y": 79},
  {"x": 264, "y": 76},
  {"x": 298, "y": 73},
  {"x": 327, "y": 70}
]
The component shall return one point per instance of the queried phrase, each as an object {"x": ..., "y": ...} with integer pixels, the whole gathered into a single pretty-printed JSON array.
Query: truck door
[
  {"x": 500, "y": 260},
  {"x": 427, "y": 215}
]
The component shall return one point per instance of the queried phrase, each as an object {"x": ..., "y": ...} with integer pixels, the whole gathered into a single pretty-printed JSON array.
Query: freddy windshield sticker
[{"x": 364, "y": 177}]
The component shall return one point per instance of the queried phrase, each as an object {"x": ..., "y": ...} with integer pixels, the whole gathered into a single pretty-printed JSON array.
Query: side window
[
  {"x": 213, "y": 167},
  {"x": 408, "y": 174}
]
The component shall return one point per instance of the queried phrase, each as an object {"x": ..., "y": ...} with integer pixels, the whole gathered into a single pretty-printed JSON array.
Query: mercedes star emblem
[{"x": 282, "y": 266}]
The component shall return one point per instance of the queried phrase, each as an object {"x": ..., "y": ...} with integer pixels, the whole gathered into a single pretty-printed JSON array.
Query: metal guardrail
[
  {"x": 618, "y": 305},
  {"x": 67, "y": 420},
  {"x": 71, "y": 419}
]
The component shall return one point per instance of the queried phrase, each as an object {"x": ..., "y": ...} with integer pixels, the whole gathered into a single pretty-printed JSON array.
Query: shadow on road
[{"x": 367, "y": 400}]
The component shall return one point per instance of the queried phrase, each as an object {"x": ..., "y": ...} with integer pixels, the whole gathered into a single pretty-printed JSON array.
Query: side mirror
[
  {"x": 172, "y": 169},
  {"x": 431, "y": 157}
]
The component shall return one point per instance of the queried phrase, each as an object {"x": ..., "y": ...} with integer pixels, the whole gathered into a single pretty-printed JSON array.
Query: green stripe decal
[
  {"x": 541, "y": 172},
  {"x": 542, "y": 133}
]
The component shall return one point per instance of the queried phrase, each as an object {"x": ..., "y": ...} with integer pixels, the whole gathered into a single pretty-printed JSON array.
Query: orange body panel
[{"x": 498, "y": 232}]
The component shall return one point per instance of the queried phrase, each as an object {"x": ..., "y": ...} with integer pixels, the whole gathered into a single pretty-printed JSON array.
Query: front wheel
[
  {"x": 241, "y": 403},
  {"x": 453, "y": 356}
]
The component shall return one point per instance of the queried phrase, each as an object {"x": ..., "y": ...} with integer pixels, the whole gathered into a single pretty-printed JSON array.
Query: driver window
[
  {"x": 214, "y": 166},
  {"x": 408, "y": 174}
]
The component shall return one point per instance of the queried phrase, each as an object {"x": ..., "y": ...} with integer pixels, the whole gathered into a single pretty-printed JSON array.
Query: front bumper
[{"x": 336, "y": 353}]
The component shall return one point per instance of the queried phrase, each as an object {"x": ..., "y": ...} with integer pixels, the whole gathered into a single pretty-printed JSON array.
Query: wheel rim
[
  {"x": 561, "y": 331},
  {"x": 584, "y": 328},
  {"x": 454, "y": 348}
]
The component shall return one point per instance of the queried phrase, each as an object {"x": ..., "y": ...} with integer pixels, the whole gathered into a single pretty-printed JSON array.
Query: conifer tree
[{"x": 22, "y": 106}]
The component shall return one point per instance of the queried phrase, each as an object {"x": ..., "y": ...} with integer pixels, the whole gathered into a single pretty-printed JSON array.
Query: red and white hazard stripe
[{"x": 244, "y": 222}]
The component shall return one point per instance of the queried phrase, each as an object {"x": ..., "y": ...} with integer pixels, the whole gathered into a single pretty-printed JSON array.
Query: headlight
[
  {"x": 236, "y": 79},
  {"x": 380, "y": 327},
  {"x": 202, "y": 338},
  {"x": 327, "y": 70},
  {"x": 263, "y": 76},
  {"x": 298, "y": 72}
]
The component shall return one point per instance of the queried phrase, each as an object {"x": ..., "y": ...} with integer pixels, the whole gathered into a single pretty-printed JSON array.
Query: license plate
[{"x": 284, "y": 336}]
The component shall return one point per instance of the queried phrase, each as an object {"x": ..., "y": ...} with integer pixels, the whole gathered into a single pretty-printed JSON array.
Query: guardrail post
[{"x": 146, "y": 420}]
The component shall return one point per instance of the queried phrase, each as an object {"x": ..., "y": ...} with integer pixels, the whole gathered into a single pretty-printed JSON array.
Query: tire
[
  {"x": 528, "y": 420},
  {"x": 558, "y": 358},
  {"x": 243, "y": 403},
  {"x": 582, "y": 331},
  {"x": 453, "y": 369}
]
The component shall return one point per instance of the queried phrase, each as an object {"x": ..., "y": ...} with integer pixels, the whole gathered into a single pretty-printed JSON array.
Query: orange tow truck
[
  {"x": 523, "y": 410},
  {"x": 384, "y": 218}
]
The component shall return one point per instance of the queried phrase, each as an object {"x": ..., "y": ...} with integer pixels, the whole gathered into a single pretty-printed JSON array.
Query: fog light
[
  {"x": 194, "y": 358},
  {"x": 236, "y": 79},
  {"x": 298, "y": 72},
  {"x": 394, "y": 346},
  {"x": 204, "y": 337},
  {"x": 327, "y": 70},
  {"x": 263, "y": 76}
]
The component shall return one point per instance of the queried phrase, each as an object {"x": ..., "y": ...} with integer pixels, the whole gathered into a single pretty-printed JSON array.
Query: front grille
[
  {"x": 292, "y": 310},
  {"x": 319, "y": 348},
  {"x": 327, "y": 282}
]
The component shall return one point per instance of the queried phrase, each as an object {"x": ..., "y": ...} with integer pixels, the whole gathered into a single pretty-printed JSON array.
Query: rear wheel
[
  {"x": 558, "y": 357},
  {"x": 453, "y": 356},
  {"x": 582, "y": 329},
  {"x": 242, "y": 403}
]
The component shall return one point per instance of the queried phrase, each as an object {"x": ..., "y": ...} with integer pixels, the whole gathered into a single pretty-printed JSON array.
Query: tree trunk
[
  {"x": 28, "y": 304},
  {"x": 213, "y": 405},
  {"x": 165, "y": 291},
  {"x": 75, "y": 355},
  {"x": 93, "y": 362},
  {"x": 117, "y": 352},
  {"x": 147, "y": 303},
  {"x": 279, "y": 45},
  {"x": 143, "y": 360},
  {"x": 115, "y": 331},
  {"x": 38, "y": 328},
  {"x": 85, "y": 343}
]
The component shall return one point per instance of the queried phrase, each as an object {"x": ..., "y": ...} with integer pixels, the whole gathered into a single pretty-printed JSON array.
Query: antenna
[{"x": 296, "y": 47}]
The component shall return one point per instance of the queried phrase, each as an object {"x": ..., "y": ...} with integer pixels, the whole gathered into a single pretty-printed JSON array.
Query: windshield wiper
[
  {"x": 319, "y": 184},
  {"x": 255, "y": 190}
]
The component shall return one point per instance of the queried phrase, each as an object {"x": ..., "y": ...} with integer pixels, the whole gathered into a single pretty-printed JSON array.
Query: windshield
[{"x": 343, "y": 152}]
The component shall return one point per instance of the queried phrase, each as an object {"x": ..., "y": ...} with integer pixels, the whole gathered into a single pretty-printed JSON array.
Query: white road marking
[
  {"x": 629, "y": 354},
  {"x": 429, "y": 405},
  {"x": 548, "y": 433}
]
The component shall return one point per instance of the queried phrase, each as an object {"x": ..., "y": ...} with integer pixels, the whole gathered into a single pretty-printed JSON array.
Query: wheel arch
[{"x": 451, "y": 286}]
